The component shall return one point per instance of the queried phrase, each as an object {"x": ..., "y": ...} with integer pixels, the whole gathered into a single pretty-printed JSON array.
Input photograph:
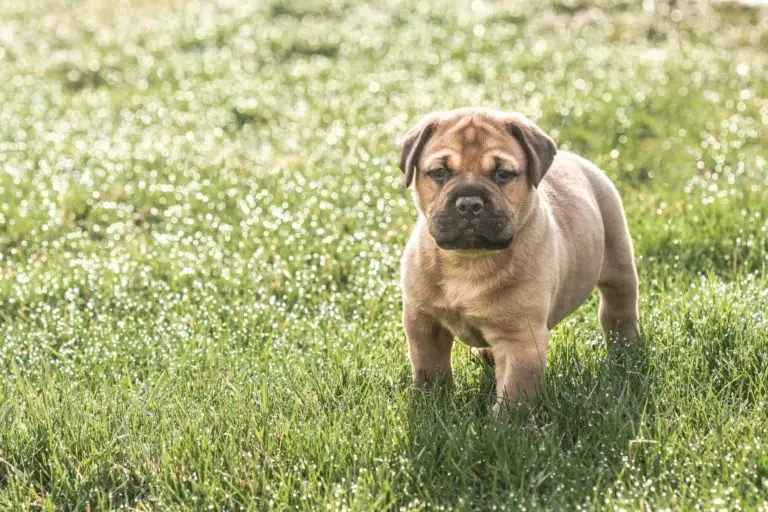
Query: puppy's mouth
[{"x": 490, "y": 233}]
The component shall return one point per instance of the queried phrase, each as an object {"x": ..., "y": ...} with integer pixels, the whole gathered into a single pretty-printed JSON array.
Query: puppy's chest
[
  {"x": 462, "y": 327},
  {"x": 456, "y": 316},
  {"x": 461, "y": 305}
]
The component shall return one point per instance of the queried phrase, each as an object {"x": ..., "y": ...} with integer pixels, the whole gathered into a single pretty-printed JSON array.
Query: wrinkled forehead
[{"x": 473, "y": 143}]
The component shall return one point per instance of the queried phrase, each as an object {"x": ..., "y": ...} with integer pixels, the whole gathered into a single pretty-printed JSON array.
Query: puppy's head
[{"x": 474, "y": 173}]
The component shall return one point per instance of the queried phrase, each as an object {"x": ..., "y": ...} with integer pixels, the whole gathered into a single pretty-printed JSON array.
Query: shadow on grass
[{"x": 591, "y": 409}]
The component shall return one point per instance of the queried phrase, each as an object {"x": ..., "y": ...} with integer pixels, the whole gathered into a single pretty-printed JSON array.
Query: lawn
[{"x": 201, "y": 220}]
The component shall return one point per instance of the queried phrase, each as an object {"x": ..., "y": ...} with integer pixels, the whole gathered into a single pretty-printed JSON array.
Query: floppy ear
[
  {"x": 539, "y": 148},
  {"x": 411, "y": 145}
]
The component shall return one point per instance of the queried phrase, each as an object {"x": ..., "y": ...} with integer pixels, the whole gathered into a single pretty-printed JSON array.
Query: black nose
[{"x": 469, "y": 205}]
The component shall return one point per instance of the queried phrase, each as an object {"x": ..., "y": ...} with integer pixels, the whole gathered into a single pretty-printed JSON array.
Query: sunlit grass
[{"x": 201, "y": 219}]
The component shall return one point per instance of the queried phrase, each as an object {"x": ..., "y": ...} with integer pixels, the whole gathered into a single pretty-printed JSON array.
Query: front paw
[{"x": 504, "y": 408}]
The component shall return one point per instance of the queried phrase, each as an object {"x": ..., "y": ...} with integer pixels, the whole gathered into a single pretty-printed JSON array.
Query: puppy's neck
[
  {"x": 465, "y": 257},
  {"x": 472, "y": 267}
]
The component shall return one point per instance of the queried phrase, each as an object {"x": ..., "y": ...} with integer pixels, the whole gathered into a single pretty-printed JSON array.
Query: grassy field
[{"x": 201, "y": 220}]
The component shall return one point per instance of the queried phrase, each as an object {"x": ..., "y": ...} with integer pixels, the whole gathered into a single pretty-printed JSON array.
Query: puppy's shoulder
[
  {"x": 572, "y": 174},
  {"x": 569, "y": 167}
]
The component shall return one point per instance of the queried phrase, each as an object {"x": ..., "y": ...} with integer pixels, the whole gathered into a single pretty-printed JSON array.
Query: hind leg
[
  {"x": 618, "y": 311},
  {"x": 618, "y": 277},
  {"x": 618, "y": 288},
  {"x": 618, "y": 297},
  {"x": 484, "y": 354}
]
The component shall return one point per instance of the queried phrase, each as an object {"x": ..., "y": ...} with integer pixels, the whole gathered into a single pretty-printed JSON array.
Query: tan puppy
[{"x": 512, "y": 236}]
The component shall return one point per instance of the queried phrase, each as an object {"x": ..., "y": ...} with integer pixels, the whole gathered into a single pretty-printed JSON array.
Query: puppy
[{"x": 512, "y": 236}]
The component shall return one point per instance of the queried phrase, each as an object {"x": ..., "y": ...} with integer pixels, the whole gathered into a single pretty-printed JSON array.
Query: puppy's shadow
[{"x": 593, "y": 404}]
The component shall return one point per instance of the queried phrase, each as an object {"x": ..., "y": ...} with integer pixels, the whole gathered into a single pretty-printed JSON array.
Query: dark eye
[
  {"x": 440, "y": 175},
  {"x": 502, "y": 176}
]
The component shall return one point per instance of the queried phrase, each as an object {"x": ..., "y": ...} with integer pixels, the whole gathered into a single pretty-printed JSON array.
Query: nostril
[{"x": 477, "y": 207}]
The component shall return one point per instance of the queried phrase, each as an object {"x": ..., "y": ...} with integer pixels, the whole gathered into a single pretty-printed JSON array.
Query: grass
[{"x": 201, "y": 219}]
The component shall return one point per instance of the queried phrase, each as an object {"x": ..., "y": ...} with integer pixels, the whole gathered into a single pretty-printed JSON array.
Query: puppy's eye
[
  {"x": 440, "y": 175},
  {"x": 502, "y": 176}
]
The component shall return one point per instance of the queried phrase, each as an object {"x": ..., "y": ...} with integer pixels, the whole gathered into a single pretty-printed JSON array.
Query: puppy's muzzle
[{"x": 469, "y": 220}]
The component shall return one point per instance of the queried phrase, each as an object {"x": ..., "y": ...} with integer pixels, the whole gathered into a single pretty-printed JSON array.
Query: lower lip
[{"x": 498, "y": 246}]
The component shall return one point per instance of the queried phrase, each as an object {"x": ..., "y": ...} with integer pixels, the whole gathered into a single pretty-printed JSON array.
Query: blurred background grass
[{"x": 201, "y": 219}]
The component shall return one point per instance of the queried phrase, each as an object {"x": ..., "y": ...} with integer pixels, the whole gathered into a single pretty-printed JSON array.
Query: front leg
[
  {"x": 520, "y": 358},
  {"x": 429, "y": 347}
]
